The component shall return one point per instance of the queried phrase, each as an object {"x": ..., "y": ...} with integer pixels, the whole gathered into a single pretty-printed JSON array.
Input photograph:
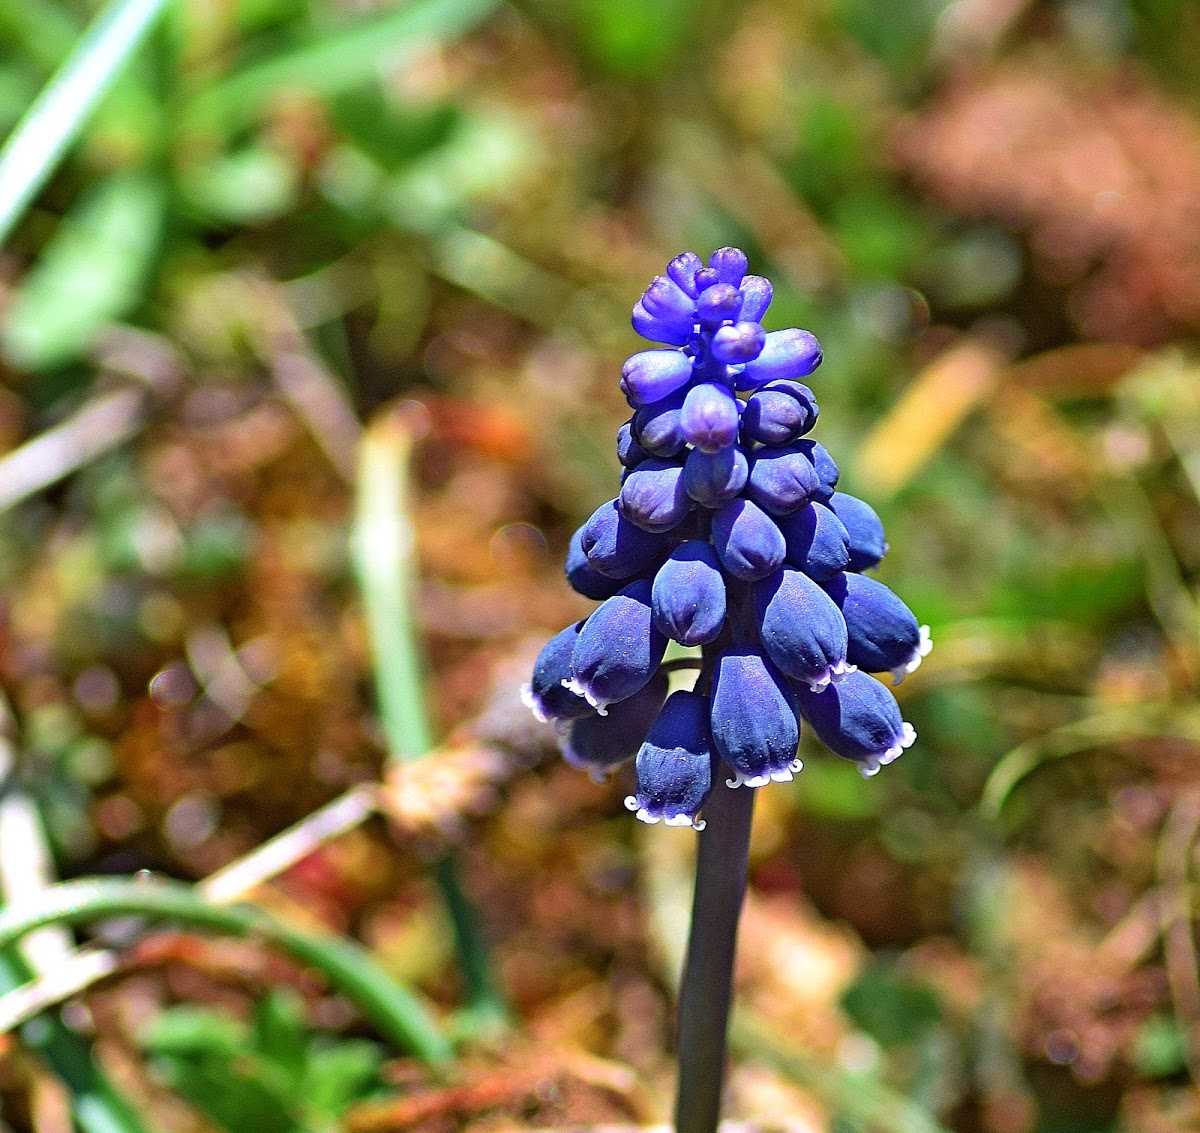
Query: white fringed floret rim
[
  {"x": 643, "y": 815},
  {"x": 580, "y": 689},
  {"x": 533, "y": 704},
  {"x": 833, "y": 674},
  {"x": 784, "y": 775},
  {"x": 907, "y": 737},
  {"x": 914, "y": 661}
]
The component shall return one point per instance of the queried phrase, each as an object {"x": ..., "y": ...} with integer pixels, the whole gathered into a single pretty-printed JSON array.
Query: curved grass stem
[{"x": 397, "y": 1012}]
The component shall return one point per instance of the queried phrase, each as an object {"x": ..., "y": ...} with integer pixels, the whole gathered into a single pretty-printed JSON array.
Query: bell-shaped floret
[
  {"x": 676, "y": 332},
  {"x": 629, "y": 452},
  {"x": 653, "y": 496},
  {"x": 826, "y": 469},
  {"x": 738, "y": 343},
  {"x": 753, "y": 718},
  {"x": 651, "y": 375},
  {"x": 682, "y": 269},
  {"x": 619, "y": 548},
  {"x": 747, "y": 540},
  {"x": 711, "y": 478},
  {"x": 676, "y": 763},
  {"x": 867, "y": 542},
  {"x": 782, "y": 480},
  {"x": 657, "y": 427},
  {"x": 779, "y": 413},
  {"x": 786, "y": 354},
  {"x": 688, "y": 596},
  {"x": 545, "y": 695},
  {"x": 730, "y": 264},
  {"x": 756, "y": 297},
  {"x": 882, "y": 631},
  {"x": 599, "y": 744},
  {"x": 817, "y": 543},
  {"x": 618, "y": 649},
  {"x": 709, "y": 417},
  {"x": 584, "y": 578},
  {"x": 719, "y": 304},
  {"x": 665, "y": 299},
  {"x": 859, "y": 720},
  {"x": 801, "y": 629}
]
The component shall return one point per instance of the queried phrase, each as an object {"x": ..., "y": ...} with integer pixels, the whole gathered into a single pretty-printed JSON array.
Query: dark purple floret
[
  {"x": 682, "y": 269},
  {"x": 738, "y": 343},
  {"x": 859, "y": 720},
  {"x": 653, "y": 496},
  {"x": 802, "y": 629},
  {"x": 787, "y": 354},
  {"x": 618, "y": 650},
  {"x": 817, "y": 543},
  {"x": 676, "y": 332},
  {"x": 883, "y": 634},
  {"x": 867, "y": 542},
  {"x": 618, "y": 548},
  {"x": 709, "y": 418},
  {"x": 748, "y": 541},
  {"x": 719, "y": 304},
  {"x": 599, "y": 744},
  {"x": 730, "y": 264},
  {"x": 753, "y": 718},
  {"x": 545, "y": 695},
  {"x": 688, "y": 596},
  {"x": 675, "y": 765},
  {"x": 756, "y": 297},
  {"x": 779, "y": 413},
  {"x": 651, "y": 375},
  {"x": 629, "y": 452},
  {"x": 666, "y": 300},
  {"x": 712, "y": 478},
  {"x": 584, "y": 578},
  {"x": 657, "y": 427},
  {"x": 782, "y": 480}
]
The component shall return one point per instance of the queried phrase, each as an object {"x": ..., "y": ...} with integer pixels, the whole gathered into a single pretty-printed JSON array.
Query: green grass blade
[
  {"x": 52, "y": 123},
  {"x": 397, "y": 1012},
  {"x": 333, "y": 64},
  {"x": 385, "y": 562},
  {"x": 95, "y": 1102},
  {"x": 93, "y": 272}
]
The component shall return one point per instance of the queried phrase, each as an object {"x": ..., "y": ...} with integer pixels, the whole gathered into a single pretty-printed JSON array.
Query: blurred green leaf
[
  {"x": 835, "y": 788},
  {"x": 194, "y": 1032},
  {"x": 279, "y": 1036},
  {"x": 635, "y": 37},
  {"x": 890, "y": 1008},
  {"x": 249, "y": 186},
  {"x": 36, "y": 146},
  {"x": 334, "y": 63},
  {"x": 339, "y": 1073},
  {"x": 93, "y": 272},
  {"x": 1160, "y": 1048},
  {"x": 388, "y": 133}
]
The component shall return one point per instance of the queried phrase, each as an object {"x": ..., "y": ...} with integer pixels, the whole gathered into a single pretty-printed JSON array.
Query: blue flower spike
[{"x": 728, "y": 537}]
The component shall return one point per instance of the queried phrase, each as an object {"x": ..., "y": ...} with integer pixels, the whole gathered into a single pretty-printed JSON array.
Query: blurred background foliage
[{"x": 289, "y": 214}]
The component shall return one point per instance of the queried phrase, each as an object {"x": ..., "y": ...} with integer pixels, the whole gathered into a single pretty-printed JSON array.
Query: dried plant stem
[{"x": 707, "y": 987}]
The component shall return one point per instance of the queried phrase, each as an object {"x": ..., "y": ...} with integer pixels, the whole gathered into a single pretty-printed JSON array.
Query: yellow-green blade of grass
[
  {"x": 52, "y": 123},
  {"x": 91, "y": 273}
]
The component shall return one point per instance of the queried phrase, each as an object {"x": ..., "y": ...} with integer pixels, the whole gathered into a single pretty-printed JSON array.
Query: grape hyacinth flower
[
  {"x": 728, "y": 534},
  {"x": 730, "y": 539}
]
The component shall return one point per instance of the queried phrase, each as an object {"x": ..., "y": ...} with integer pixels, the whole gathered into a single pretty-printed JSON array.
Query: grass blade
[
  {"x": 333, "y": 64},
  {"x": 51, "y": 124},
  {"x": 385, "y": 562},
  {"x": 397, "y": 1013}
]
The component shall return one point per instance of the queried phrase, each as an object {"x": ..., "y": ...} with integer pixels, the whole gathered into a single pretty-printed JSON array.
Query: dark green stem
[{"x": 707, "y": 987}]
